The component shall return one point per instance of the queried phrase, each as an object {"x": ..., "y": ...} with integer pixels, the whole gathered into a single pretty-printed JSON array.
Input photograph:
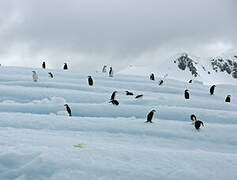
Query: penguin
[
  {"x": 186, "y": 94},
  {"x": 190, "y": 81},
  {"x": 90, "y": 81},
  {"x": 161, "y": 82},
  {"x": 43, "y": 65},
  {"x": 198, "y": 124},
  {"x": 111, "y": 73},
  {"x": 227, "y": 99},
  {"x": 212, "y": 89},
  {"x": 114, "y": 102},
  {"x": 35, "y": 76},
  {"x": 152, "y": 77},
  {"x": 68, "y": 109},
  {"x": 65, "y": 66},
  {"x": 104, "y": 69},
  {"x": 50, "y": 74},
  {"x": 150, "y": 116},
  {"x": 113, "y": 95},
  {"x": 139, "y": 96},
  {"x": 129, "y": 93}
]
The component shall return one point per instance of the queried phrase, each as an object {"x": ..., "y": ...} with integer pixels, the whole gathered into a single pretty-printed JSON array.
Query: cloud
[{"x": 91, "y": 33}]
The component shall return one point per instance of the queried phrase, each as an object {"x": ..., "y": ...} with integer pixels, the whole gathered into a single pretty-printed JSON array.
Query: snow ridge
[{"x": 38, "y": 138}]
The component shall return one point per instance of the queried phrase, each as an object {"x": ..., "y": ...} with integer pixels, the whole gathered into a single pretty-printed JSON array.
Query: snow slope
[{"x": 37, "y": 137}]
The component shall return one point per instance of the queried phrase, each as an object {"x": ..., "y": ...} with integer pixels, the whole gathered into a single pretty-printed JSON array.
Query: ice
[{"x": 37, "y": 136}]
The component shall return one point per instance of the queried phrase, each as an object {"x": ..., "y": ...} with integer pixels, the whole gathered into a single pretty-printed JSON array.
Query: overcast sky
[{"x": 90, "y": 33}]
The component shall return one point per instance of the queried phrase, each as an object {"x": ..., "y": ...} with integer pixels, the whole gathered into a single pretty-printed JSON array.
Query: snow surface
[{"x": 37, "y": 137}]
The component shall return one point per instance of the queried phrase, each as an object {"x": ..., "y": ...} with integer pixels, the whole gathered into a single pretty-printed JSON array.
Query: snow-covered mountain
[
  {"x": 185, "y": 67},
  {"x": 38, "y": 140}
]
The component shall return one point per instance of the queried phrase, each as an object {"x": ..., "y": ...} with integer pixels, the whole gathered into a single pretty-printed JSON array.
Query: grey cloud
[{"x": 112, "y": 30}]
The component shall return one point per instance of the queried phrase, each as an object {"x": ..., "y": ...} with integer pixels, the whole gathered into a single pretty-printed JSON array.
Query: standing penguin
[
  {"x": 43, "y": 65},
  {"x": 152, "y": 77},
  {"x": 35, "y": 76},
  {"x": 227, "y": 99},
  {"x": 65, "y": 66},
  {"x": 90, "y": 81},
  {"x": 104, "y": 69},
  {"x": 212, "y": 89},
  {"x": 50, "y": 74},
  {"x": 150, "y": 116},
  {"x": 198, "y": 124},
  {"x": 186, "y": 94},
  {"x": 111, "y": 73},
  {"x": 68, "y": 109},
  {"x": 113, "y": 95}
]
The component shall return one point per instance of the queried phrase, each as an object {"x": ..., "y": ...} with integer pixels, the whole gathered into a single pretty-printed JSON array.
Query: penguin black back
[
  {"x": 212, "y": 89},
  {"x": 150, "y": 116},
  {"x": 161, "y": 82},
  {"x": 90, "y": 81},
  {"x": 50, "y": 74},
  {"x": 114, "y": 102},
  {"x": 198, "y": 124},
  {"x": 152, "y": 77},
  {"x": 111, "y": 72},
  {"x": 65, "y": 66},
  {"x": 113, "y": 95},
  {"x": 227, "y": 99},
  {"x": 68, "y": 109},
  {"x": 139, "y": 96},
  {"x": 129, "y": 93},
  {"x": 186, "y": 94},
  {"x": 43, "y": 65}
]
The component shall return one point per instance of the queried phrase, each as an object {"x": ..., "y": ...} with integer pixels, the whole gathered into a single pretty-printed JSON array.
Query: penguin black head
[
  {"x": 66, "y": 105},
  {"x": 186, "y": 90},
  {"x": 193, "y": 117}
]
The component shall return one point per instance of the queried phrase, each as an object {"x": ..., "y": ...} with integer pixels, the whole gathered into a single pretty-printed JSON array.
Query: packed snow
[{"x": 38, "y": 140}]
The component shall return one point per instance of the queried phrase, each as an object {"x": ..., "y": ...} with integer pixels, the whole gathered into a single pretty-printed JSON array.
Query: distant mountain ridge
[
  {"x": 222, "y": 69},
  {"x": 218, "y": 64}
]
